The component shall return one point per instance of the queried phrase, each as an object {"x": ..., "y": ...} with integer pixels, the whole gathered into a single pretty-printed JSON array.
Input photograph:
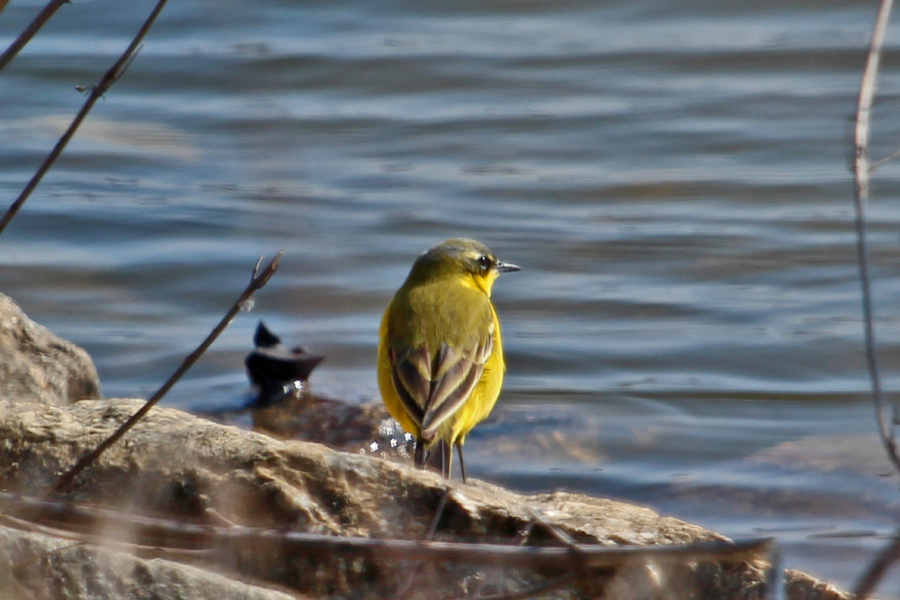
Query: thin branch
[
  {"x": 872, "y": 576},
  {"x": 112, "y": 76},
  {"x": 577, "y": 568},
  {"x": 39, "y": 21},
  {"x": 561, "y": 536},
  {"x": 438, "y": 514},
  {"x": 257, "y": 281},
  {"x": 83, "y": 539},
  {"x": 181, "y": 535},
  {"x": 404, "y": 589},
  {"x": 879, "y": 163},
  {"x": 862, "y": 170},
  {"x": 20, "y": 567}
]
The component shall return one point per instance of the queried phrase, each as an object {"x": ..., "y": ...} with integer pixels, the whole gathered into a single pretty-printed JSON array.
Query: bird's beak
[{"x": 507, "y": 267}]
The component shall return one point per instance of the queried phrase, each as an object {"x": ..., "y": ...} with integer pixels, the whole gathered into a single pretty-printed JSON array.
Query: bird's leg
[
  {"x": 462, "y": 461},
  {"x": 421, "y": 456},
  {"x": 446, "y": 459}
]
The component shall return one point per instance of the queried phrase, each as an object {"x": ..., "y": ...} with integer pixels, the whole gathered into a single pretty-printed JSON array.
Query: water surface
[{"x": 672, "y": 176}]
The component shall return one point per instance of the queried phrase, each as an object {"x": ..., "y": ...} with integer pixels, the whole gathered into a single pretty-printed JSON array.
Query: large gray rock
[
  {"x": 34, "y": 565},
  {"x": 187, "y": 469},
  {"x": 36, "y": 365}
]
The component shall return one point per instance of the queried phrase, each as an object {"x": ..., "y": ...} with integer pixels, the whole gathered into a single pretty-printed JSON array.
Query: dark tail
[
  {"x": 439, "y": 461},
  {"x": 422, "y": 453}
]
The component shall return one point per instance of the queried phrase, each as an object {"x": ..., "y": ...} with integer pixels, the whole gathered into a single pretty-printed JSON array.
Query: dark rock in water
[
  {"x": 275, "y": 370},
  {"x": 39, "y": 366},
  {"x": 360, "y": 428}
]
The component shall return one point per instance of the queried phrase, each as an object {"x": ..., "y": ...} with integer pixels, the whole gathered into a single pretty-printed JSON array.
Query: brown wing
[
  {"x": 411, "y": 372},
  {"x": 453, "y": 379},
  {"x": 433, "y": 390}
]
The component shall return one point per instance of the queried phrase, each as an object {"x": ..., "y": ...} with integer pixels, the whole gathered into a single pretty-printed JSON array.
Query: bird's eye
[{"x": 485, "y": 262}]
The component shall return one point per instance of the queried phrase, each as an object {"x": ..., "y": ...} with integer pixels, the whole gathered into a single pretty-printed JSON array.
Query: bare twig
[
  {"x": 181, "y": 535},
  {"x": 39, "y": 21},
  {"x": 112, "y": 75},
  {"x": 404, "y": 589},
  {"x": 878, "y": 163},
  {"x": 20, "y": 567},
  {"x": 862, "y": 171},
  {"x": 438, "y": 514},
  {"x": 561, "y": 536},
  {"x": 576, "y": 567},
  {"x": 872, "y": 576},
  {"x": 85, "y": 538},
  {"x": 257, "y": 281}
]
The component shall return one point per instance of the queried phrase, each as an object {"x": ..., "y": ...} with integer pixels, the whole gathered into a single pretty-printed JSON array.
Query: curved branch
[
  {"x": 862, "y": 173},
  {"x": 257, "y": 281}
]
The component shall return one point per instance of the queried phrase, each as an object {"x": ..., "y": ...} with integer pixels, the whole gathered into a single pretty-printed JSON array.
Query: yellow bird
[{"x": 440, "y": 354}]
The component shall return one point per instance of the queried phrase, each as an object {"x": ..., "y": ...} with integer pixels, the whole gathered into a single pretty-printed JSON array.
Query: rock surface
[
  {"x": 34, "y": 565},
  {"x": 187, "y": 469},
  {"x": 36, "y": 365},
  {"x": 206, "y": 480}
]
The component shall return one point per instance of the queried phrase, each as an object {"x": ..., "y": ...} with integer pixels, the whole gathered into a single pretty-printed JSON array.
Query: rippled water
[{"x": 671, "y": 175}]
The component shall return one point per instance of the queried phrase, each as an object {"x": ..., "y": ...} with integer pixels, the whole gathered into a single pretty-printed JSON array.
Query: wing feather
[
  {"x": 411, "y": 373},
  {"x": 456, "y": 376},
  {"x": 449, "y": 394},
  {"x": 433, "y": 383}
]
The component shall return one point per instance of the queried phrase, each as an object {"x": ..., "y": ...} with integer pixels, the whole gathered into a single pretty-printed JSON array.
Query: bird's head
[{"x": 461, "y": 257}]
